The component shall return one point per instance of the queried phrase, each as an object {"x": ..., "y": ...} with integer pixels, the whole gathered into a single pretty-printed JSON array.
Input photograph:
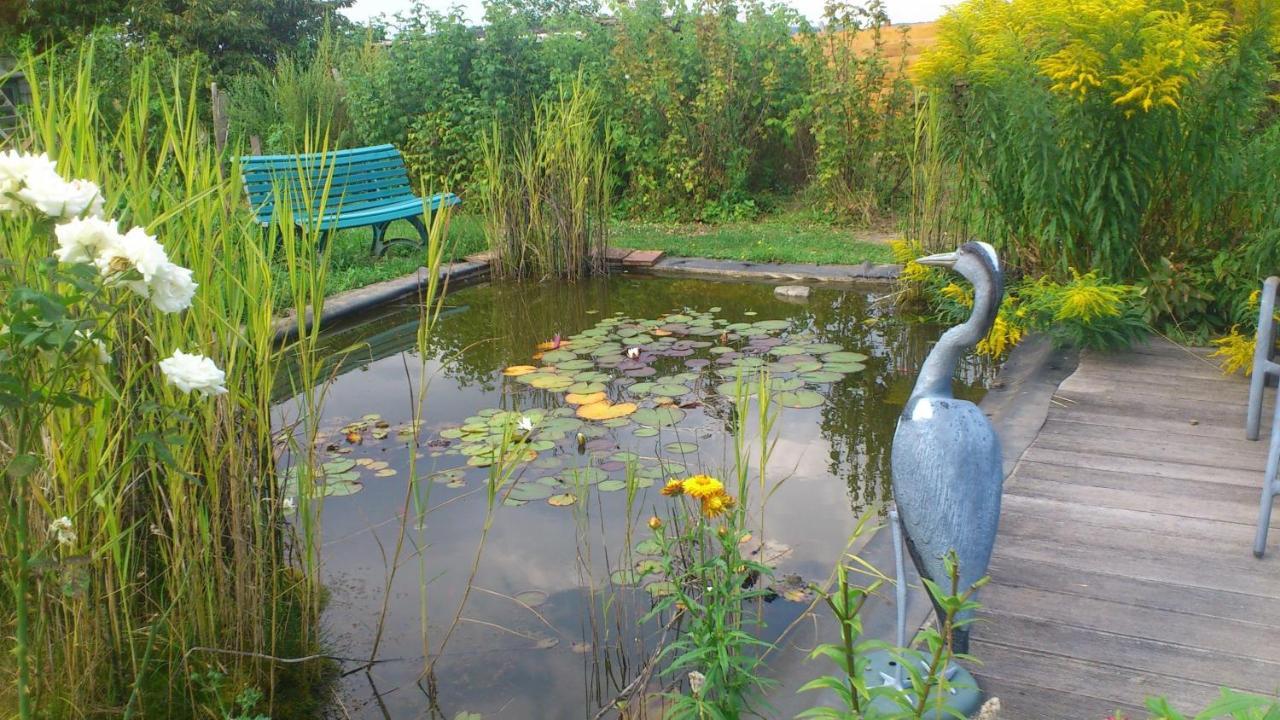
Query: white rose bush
[{"x": 96, "y": 282}]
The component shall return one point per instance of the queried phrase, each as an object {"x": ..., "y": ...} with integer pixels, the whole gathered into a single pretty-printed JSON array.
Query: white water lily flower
[
  {"x": 62, "y": 531},
  {"x": 46, "y": 191},
  {"x": 289, "y": 504},
  {"x": 14, "y": 169},
  {"x": 83, "y": 240},
  {"x": 190, "y": 372},
  {"x": 525, "y": 425},
  {"x": 172, "y": 288}
]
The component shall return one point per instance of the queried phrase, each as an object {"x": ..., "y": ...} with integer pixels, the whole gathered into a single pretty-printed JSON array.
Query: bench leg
[
  {"x": 1268, "y": 487},
  {"x": 379, "y": 234},
  {"x": 423, "y": 235}
]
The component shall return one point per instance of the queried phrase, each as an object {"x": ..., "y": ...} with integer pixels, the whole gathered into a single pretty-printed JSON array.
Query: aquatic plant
[
  {"x": 152, "y": 539},
  {"x": 545, "y": 191}
]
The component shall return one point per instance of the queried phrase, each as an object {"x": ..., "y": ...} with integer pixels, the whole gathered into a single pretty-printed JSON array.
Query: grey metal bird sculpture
[{"x": 947, "y": 470}]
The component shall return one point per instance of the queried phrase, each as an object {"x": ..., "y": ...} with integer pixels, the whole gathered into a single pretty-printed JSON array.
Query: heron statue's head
[{"x": 978, "y": 263}]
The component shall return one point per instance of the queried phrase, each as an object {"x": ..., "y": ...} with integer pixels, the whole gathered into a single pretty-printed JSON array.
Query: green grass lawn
[
  {"x": 781, "y": 238},
  {"x": 787, "y": 237}
]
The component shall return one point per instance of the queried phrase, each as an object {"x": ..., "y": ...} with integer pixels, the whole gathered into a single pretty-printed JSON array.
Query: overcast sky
[{"x": 900, "y": 11}]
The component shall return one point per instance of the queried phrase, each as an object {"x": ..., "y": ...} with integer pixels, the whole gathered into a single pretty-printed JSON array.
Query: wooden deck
[{"x": 1123, "y": 567}]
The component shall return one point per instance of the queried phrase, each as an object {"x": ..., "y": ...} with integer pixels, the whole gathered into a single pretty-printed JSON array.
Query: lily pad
[
  {"x": 799, "y": 398},
  {"x": 671, "y": 389},
  {"x": 518, "y": 370},
  {"x": 605, "y": 411},
  {"x": 530, "y": 491},
  {"x": 681, "y": 448},
  {"x": 822, "y": 376},
  {"x": 844, "y": 357},
  {"x": 657, "y": 417},
  {"x": 645, "y": 432},
  {"x": 552, "y": 382},
  {"x": 821, "y": 348},
  {"x": 574, "y": 364},
  {"x": 844, "y": 367},
  {"x": 338, "y": 466},
  {"x": 781, "y": 384},
  {"x": 562, "y": 500},
  {"x": 626, "y": 576},
  {"x": 648, "y": 547},
  {"x": 662, "y": 588},
  {"x": 611, "y": 485}
]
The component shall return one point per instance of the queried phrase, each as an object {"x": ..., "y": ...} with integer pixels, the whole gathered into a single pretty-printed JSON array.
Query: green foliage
[
  {"x": 1231, "y": 704},
  {"x": 545, "y": 193},
  {"x": 860, "y": 111},
  {"x": 923, "y": 690},
  {"x": 296, "y": 99},
  {"x": 1129, "y": 137}
]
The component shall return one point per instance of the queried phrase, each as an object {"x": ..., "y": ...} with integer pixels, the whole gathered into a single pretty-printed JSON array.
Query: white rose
[
  {"x": 193, "y": 372},
  {"x": 172, "y": 288},
  {"x": 62, "y": 531},
  {"x": 135, "y": 250},
  {"x": 14, "y": 169},
  {"x": 82, "y": 241},
  {"x": 46, "y": 191}
]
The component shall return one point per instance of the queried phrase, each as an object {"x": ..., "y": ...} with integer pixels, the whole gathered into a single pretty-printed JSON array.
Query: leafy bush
[{"x": 1130, "y": 137}]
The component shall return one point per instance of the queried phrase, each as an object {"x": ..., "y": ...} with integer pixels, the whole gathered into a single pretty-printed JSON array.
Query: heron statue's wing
[{"x": 947, "y": 481}]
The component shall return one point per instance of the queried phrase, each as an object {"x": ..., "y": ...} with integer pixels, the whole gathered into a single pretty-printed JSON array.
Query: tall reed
[
  {"x": 545, "y": 192},
  {"x": 178, "y": 563}
]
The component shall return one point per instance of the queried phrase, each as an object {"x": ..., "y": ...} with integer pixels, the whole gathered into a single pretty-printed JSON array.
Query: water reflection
[{"x": 581, "y": 642}]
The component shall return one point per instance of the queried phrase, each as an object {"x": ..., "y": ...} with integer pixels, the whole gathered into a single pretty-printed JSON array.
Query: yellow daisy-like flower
[
  {"x": 673, "y": 488},
  {"x": 716, "y": 505},
  {"x": 702, "y": 487}
]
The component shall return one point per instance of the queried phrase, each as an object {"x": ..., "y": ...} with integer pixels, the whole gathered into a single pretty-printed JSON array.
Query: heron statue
[{"x": 947, "y": 471}]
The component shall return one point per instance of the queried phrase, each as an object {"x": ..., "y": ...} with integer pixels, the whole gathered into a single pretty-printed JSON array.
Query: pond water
[{"x": 540, "y": 616}]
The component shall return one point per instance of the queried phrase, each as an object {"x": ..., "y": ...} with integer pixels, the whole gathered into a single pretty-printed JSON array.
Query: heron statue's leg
[
  {"x": 1268, "y": 487},
  {"x": 900, "y": 591}
]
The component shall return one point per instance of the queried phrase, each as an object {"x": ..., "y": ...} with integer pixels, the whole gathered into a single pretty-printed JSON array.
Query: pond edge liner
[
  {"x": 1017, "y": 404},
  {"x": 776, "y": 272},
  {"x": 347, "y": 304}
]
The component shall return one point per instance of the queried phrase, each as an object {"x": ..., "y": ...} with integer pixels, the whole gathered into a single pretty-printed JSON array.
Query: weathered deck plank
[{"x": 1123, "y": 565}]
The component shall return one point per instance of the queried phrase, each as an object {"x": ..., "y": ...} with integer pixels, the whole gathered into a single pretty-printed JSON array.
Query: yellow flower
[
  {"x": 1235, "y": 352},
  {"x": 958, "y": 294},
  {"x": 1003, "y": 336},
  {"x": 716, "y": 505},
  {"x": 655, "y": 522},
  {"x": 673, "y": 488},
  {"x": 702, "y": 487}
]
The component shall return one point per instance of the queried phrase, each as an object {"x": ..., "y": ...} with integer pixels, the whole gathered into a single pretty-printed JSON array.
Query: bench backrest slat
[{"x": 357, "y": 178}]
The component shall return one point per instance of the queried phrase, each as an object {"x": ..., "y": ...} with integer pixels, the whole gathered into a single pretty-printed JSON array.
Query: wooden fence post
[{"x": 220, "y": 128}]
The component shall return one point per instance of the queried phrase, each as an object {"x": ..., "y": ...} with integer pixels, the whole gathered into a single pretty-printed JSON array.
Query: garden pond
[{"x": 582, "y": 399}]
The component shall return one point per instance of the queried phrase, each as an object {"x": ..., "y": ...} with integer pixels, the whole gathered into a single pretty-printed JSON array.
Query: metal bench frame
[
  {"x": 1265, "y": 368},
  {"x": 342, "y": 189}
]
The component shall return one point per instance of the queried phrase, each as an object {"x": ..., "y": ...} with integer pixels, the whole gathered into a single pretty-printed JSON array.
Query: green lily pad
[
  {"x": 554, "y": 357},
  {"x": 781, "y": 384},
  {"x": 648, "y": 547},
  {"x": 671, "y": 389},
  {"x": 771, "y": 324},
  {"x": 648, "y": 567},
  {"x": 730, "y": 389},
  {"x": 844, "y": 367},
  {"x": 822, "y": 376},
  {"x": 512, "y": 502},
  {"x": 616, "y": 422},
  {"x": 749, "y": 362},
  {"x": 624, "y": 456},
  {"x": 334, "y": 467},
  {"x": 662, "y": 588},
  {"x": 611, "y": 485},
  {"x": 644, "y": 432},
  {"x": 681, "y": 448},
  {"x": 552, "y": 382},
  {"x": 799, "y": 398},
  {"x": 575, "y": 364},
  {"x": 845, "y": 357},
  {"x": 586, "y": 388},
  {"x": 657, "y": 417},
  {"x": 821, "y": 348},
  {"x": 785, "y": 350},
  {"x": 530, "y": 491},
  {"x": 625, "y": 576},
  {"x": 447, "y": 476},
  {"x": 341, "y": 486}
]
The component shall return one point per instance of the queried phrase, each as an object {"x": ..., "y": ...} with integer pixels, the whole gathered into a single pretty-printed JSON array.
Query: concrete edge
[
  {"x": 347, "y": 304},
  {"x": 1017, "y": 404},
  {"x": 778, "y": 272}
]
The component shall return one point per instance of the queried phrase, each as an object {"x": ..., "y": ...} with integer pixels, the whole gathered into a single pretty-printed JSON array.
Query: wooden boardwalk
[{"x": 1123, "y": 567}]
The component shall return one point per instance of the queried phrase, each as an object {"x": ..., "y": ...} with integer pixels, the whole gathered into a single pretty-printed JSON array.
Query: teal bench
[{"x": 366, "y": 187}]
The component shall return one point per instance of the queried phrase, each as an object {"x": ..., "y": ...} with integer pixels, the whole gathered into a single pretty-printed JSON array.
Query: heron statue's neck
[{"x": 940, "y": 365}]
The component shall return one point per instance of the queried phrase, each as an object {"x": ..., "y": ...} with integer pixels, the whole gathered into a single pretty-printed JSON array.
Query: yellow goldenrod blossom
[{"x": 1235, "y": 352}]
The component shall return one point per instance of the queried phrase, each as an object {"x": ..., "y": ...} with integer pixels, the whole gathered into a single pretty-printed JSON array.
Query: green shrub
[{"x": 1129, "y": 137}]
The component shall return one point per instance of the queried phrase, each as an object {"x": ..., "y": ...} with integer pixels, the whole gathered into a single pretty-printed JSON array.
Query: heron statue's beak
[{"x": 940, "y": 260}]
